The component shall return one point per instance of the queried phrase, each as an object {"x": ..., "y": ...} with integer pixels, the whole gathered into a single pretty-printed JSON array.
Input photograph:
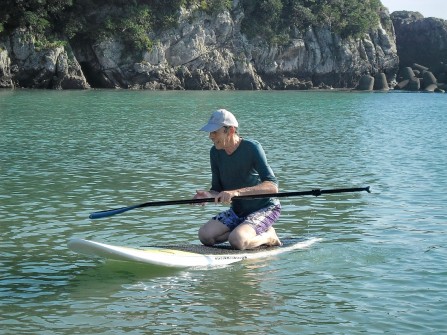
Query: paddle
[{"x": 316, "y": 192}]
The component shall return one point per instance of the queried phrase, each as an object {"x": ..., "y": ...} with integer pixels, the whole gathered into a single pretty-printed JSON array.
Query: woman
[{"x": 239, "y": 167}]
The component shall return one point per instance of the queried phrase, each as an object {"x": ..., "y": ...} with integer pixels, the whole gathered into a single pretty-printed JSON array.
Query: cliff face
[
  {"x": 22, "y": 65},
  {"x": 422, "y": 48},
  {"x": 203, "y": 52},
  {"x": 420, "y": 40}
]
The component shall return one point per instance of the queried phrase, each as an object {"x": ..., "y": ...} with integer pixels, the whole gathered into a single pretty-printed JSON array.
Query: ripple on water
[{"x": 379, "y": 269}]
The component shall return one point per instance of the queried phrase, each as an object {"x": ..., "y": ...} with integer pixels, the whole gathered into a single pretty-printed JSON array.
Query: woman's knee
[
  {"x": 213, "y": 232},
  {"x": 205, "y": 237},
  {"x": 240, "y": 237},
  {"x": 237, "y": 241}
]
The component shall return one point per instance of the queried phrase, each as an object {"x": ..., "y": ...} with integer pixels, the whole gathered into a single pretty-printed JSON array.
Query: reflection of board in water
[{"x": 181, "y": 256}]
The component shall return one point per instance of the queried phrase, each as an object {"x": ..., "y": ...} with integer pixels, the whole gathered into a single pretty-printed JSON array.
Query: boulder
[
  {"x": 420, "y": 68},
  {"x": 414, "y": 84},
  {"x": 430, "y": 88},
  {"x": 407, "y": 73},
  {"x": 380, "y": 82},
  {"x": 366, "y": 83},
  {"x": 402, "y": 84},
  {"x": 428, "y": 79}
]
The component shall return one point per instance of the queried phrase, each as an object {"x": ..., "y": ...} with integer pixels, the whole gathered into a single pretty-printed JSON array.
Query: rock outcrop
[
  {"x": 420, "y": 40},
  {"x": 204, "y": 53},
  {"x": 23, "y": 65},
  {"x": 422, "y": 49},
  {"x": 420, "y": 78}
]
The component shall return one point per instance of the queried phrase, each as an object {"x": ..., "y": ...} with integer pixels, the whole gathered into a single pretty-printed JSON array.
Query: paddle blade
[{"x": 104, "y": 214}]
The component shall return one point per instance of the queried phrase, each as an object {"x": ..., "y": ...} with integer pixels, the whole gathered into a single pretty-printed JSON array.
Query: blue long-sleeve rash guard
[{"x": 245, "y": 167}]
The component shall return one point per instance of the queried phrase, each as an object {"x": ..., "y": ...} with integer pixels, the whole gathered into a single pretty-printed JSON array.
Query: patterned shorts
[{"x": 260, "y": 220}]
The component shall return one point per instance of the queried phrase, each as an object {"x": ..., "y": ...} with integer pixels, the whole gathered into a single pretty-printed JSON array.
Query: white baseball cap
[{"x": 219, "y": 119}]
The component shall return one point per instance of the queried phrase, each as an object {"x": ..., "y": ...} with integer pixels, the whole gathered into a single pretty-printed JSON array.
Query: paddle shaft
[{"x": 315, "y": 192}]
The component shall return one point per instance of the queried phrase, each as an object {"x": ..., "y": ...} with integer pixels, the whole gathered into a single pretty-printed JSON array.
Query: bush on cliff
[
  {"x": 271, "y": 18},
  {"x": 95, "y": 20},
  {"x": 275, "y": 21}
]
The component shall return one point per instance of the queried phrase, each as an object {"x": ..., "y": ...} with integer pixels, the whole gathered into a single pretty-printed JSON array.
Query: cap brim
[{"x": 211, "y": 127}]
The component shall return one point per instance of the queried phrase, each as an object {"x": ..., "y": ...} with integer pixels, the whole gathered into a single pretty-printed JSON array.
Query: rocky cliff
[
  {"x": 23, "y": 65},
  {"x": 422, "y": 49},
  {"x": 420, "y": 40},
  {"x": 203, "y": 52}
]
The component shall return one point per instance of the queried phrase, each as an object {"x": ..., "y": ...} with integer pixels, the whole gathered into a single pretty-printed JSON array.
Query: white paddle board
[{"x": 182, "y": 256}]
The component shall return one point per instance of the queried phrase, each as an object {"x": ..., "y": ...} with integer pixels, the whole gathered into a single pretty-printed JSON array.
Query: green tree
[
  {"x": 262, "y": 18},
  {"x": 133, "y": 20},
  {"x": 272, "y": 18}
]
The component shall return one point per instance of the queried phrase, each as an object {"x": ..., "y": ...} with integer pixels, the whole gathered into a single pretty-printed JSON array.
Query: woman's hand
[
  {"x": 226, "y": 196},
  {"x": 200, "y": 194},
  {"x": 222, "y": 197}
]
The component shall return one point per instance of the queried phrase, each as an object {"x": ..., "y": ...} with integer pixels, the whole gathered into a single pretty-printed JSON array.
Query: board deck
[{"x": 182, "y": 256}]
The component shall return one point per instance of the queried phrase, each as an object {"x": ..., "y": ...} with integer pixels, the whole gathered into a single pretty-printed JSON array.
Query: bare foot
[{"x": 273, "y": 239}]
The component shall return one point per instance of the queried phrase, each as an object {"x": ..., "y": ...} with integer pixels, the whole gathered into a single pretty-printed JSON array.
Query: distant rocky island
[{"x": 211, "y": 51}]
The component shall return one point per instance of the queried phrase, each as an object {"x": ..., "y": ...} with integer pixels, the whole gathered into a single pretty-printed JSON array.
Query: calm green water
[{"x": 380, "y": 269}]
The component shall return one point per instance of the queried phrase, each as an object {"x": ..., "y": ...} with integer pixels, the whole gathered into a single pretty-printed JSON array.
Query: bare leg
[
  {"x": 213, "y": 232},
  {"x": 244, "y": 237}
]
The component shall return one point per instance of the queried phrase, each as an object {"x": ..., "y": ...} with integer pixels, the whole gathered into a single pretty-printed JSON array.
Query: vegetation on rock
[
  {"x": 273, "y": 19},
  {"x": 52, "y": 21}
]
